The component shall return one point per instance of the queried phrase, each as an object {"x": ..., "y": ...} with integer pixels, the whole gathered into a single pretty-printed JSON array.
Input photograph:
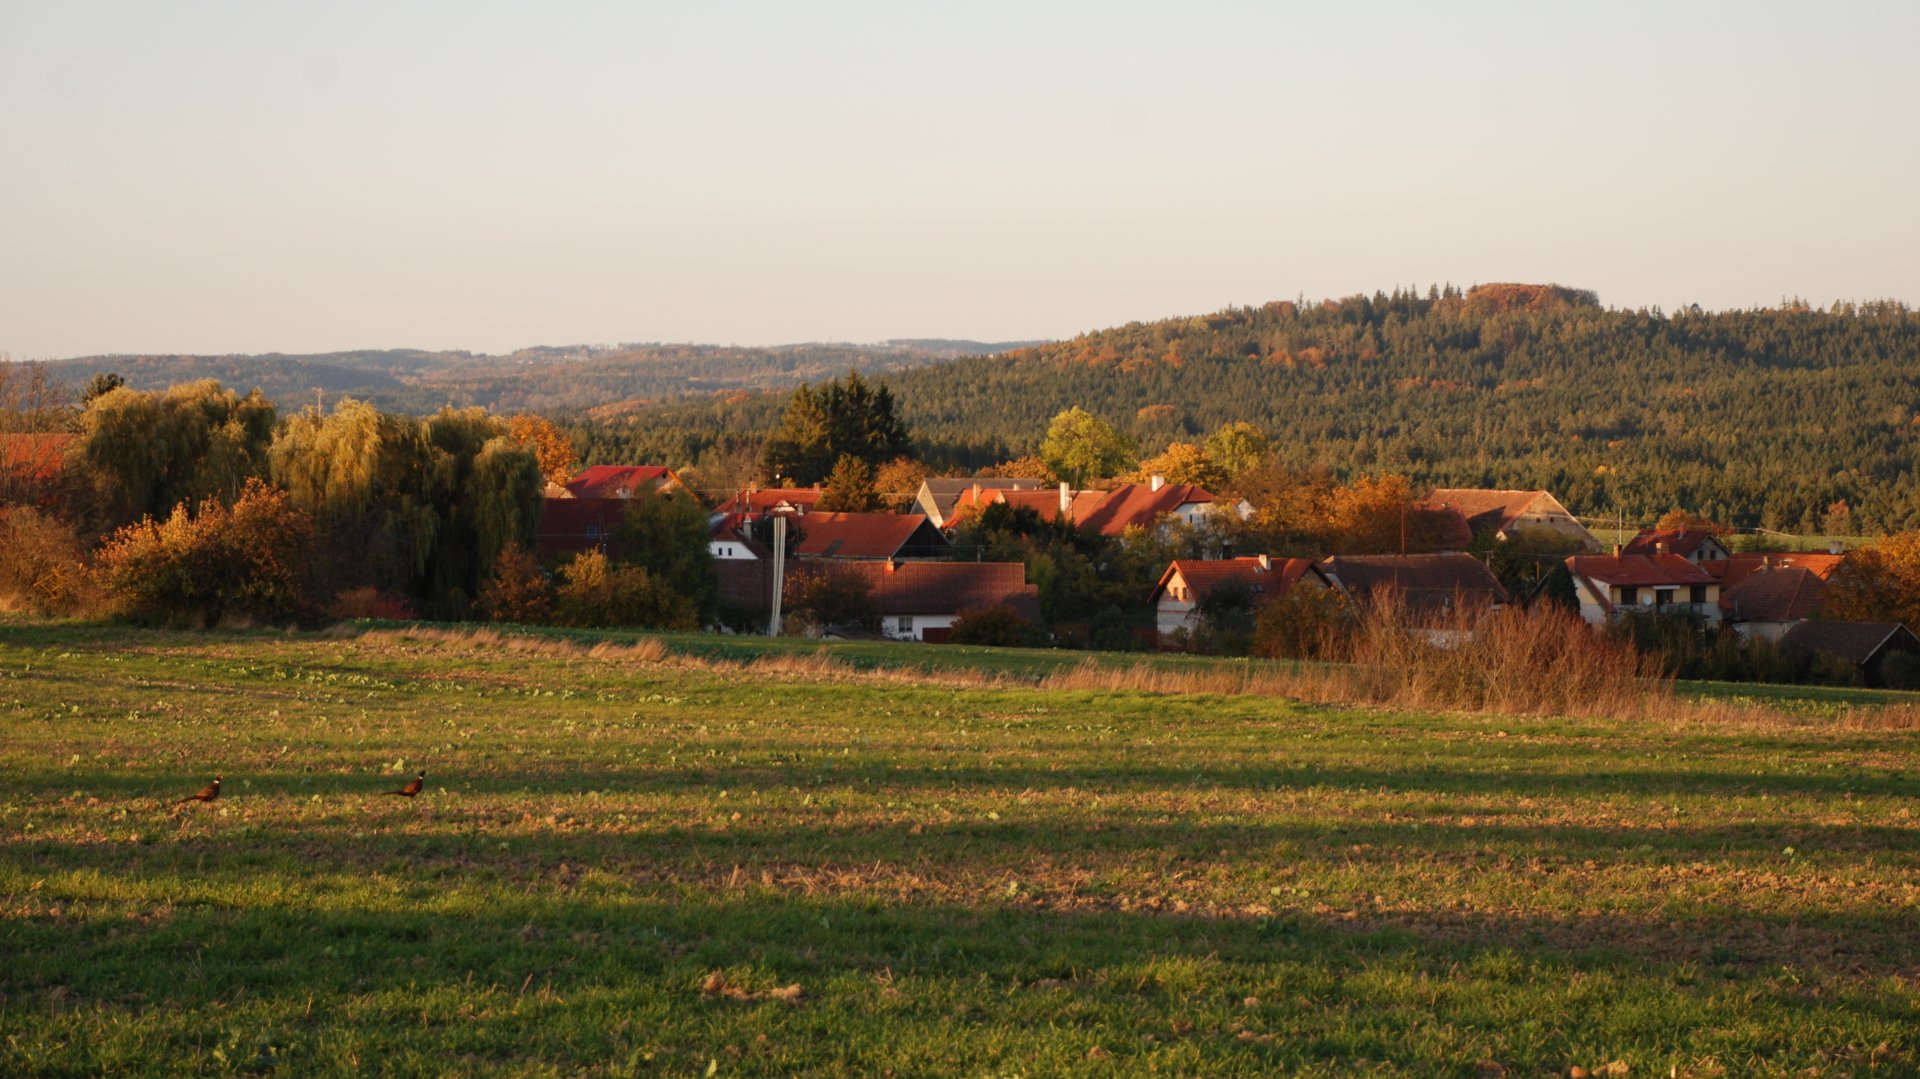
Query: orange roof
[
  {"x": 1419, "y": 581},
  {"x": 1044, "y": 501},
  {"x": 1267, "y": 582},
  {"x": 1732, "y": 570},
  {"x": 1138, "y": 505},
  {"x": 620, "y": 481},
  {"x": 864, "y": 535}
]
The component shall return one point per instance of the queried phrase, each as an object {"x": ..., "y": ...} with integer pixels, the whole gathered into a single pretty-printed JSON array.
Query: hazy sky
[{"x": 258, "y": 176}]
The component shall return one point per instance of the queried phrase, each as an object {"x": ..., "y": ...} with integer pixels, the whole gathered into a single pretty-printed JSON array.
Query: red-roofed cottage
[
  {"x": 620, "y": 481},
  {"x": 1606, "y": 585},
  {"x": 1188, "y": 582}
]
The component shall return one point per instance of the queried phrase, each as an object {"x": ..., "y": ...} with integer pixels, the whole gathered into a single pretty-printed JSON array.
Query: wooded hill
[
  {"x": 604, "y": 380},
  {"x": 1779, "y": 417}
]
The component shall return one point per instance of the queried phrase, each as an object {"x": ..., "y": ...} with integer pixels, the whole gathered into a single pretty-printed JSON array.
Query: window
[
  {"x": 1629, "y": 596},
  {"x": 906, "y": 623},
  {"x": 1663, "y": 596},
  {"x": 1697, "y": 594}
]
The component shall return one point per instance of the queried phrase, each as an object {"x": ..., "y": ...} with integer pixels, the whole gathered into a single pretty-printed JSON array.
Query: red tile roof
[
  {"x": 1857, "y": 642},
  {"x": 620, "y": 481},
  {"x": 1680, "y": 541},
  {"x": 1775, "y": 595},
  {"x": 1138, "y": 505},
  {"x": 1638, "y": 569},
  {"x": 1202, "y": 576},
  {"x": 863, "y": 535}
]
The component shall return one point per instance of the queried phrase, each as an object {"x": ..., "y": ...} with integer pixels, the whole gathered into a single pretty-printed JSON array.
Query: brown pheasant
[
  {"x": 412, "y": 788},
  {"x": 206, "y": 794}
]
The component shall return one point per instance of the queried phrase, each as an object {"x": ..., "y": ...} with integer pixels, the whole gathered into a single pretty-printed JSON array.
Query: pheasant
[
  {"x": 206, "y": 794},
  {"x": 412, "y": 788}
]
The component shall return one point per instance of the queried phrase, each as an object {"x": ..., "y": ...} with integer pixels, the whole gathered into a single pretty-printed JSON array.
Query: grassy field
[{"x": 627, "y": 864}]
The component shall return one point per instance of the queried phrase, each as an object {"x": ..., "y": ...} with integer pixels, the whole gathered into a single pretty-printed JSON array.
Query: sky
[{"x": 254, "y": 177}]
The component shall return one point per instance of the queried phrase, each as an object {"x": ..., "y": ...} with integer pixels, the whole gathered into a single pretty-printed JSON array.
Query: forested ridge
[
  {"x": 1789, "y": 417},
  {"x": 601, "y": 381}
]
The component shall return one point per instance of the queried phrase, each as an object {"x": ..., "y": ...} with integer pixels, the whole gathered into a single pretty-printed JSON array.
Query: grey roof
[{"x": 1856, "y": 642}]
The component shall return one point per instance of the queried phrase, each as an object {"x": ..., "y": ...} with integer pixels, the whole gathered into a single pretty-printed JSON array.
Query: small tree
[
  {"x": 820, "y": 596},
  {"x": 850, "y": 487},
  {"x": 666, "y": 533},
  {"x": 1080, "y": 447},
  {"x": 517, "y": 591},
  {"x": 898, "y": 481},
  {"x": 551, "y": 447}
]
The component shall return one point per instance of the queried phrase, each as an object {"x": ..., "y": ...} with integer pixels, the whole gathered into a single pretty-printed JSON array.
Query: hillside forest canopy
[{"x": 1788, "y": 418}]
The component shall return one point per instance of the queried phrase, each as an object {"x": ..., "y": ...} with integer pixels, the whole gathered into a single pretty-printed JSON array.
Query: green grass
[{"x": 961, "y": 880}]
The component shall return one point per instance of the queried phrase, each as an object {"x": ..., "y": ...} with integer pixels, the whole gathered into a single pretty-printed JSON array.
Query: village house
[
  {"x": 939, "y": 496},
  {"x": 1764, "y": 605},
  {"x": 755, "y": 502},
  {"x": 1607, "y": 585},
  {"x": 916, "y": 601},
  {"x": 569, "y": 525},
  {"x": 1186, "y": 584},
  {"x": 1108, "y": 513},
  {"x": 1695, "y": 545},
  {"x": 1510, "y": 514},
  {"x": 1419, "y": 584},
  {"x": 617, "y": 481}
]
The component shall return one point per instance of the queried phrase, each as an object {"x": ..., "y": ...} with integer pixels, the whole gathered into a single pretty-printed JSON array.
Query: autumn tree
[
  {"x": 596, "y": 593},
  {"x": 1236, "y": 448},
  {"x": 1679, "y": 520},
  {"x": 850, "y": 487},
  {"x": 817, "y": 596},
  {"x": 898, "y": 482},
  {"x": 1877, "y": 583},
  {"x": 1081, "y": 447},
  {"x": 251, "y": 559},
  {"x": 517, "y": 591},
  {"x": 552, "y": 449},
  {"x": 1029, "y": 467},
  {"x": 43, "y": 564},
  {"x": 149, "y": 452},
  {"x": 1183, "y": 462}
]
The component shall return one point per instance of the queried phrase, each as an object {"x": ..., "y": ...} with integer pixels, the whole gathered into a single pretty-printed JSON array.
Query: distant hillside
[
  {"x": 1778, "y": 417},
  {"x": 611, "y": 379}
]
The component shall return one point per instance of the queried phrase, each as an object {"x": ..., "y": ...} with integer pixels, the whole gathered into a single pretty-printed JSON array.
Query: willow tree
[
  {"x": 420, "y": 508},
  {"x": 149, "y": 452}
]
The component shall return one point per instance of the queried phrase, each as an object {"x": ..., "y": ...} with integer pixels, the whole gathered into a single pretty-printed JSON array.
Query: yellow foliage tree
[
  {"x": 551, "y": 447},
  {"x": 1878, "y": 583}
]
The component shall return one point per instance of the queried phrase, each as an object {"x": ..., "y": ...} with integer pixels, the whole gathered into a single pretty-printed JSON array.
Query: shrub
[
  {"x": 251, "y": 560},
  {"x": 998, "y": 625},
  {"x": 42, "y": 564},
  {"x": 1308, "y": 622},
  {"x": 821, "y": 596},
  {"x": 517, "y": 591},
  {"x": 370, "y": 602},
  {"x": 596, "y": 593}
]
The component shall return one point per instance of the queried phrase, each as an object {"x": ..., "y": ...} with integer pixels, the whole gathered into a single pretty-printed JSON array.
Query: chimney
[
  {"x": 890, "y": 565},
  {"x": 1066, "y": 499},
  {"x": 1836, "y": 547},
  {"x": 1616, "y": 550},
  {"x": 1660, "y": 547},
  {"x": 1266, "y": 563},
  {"x": 1158, "y": 481}
]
